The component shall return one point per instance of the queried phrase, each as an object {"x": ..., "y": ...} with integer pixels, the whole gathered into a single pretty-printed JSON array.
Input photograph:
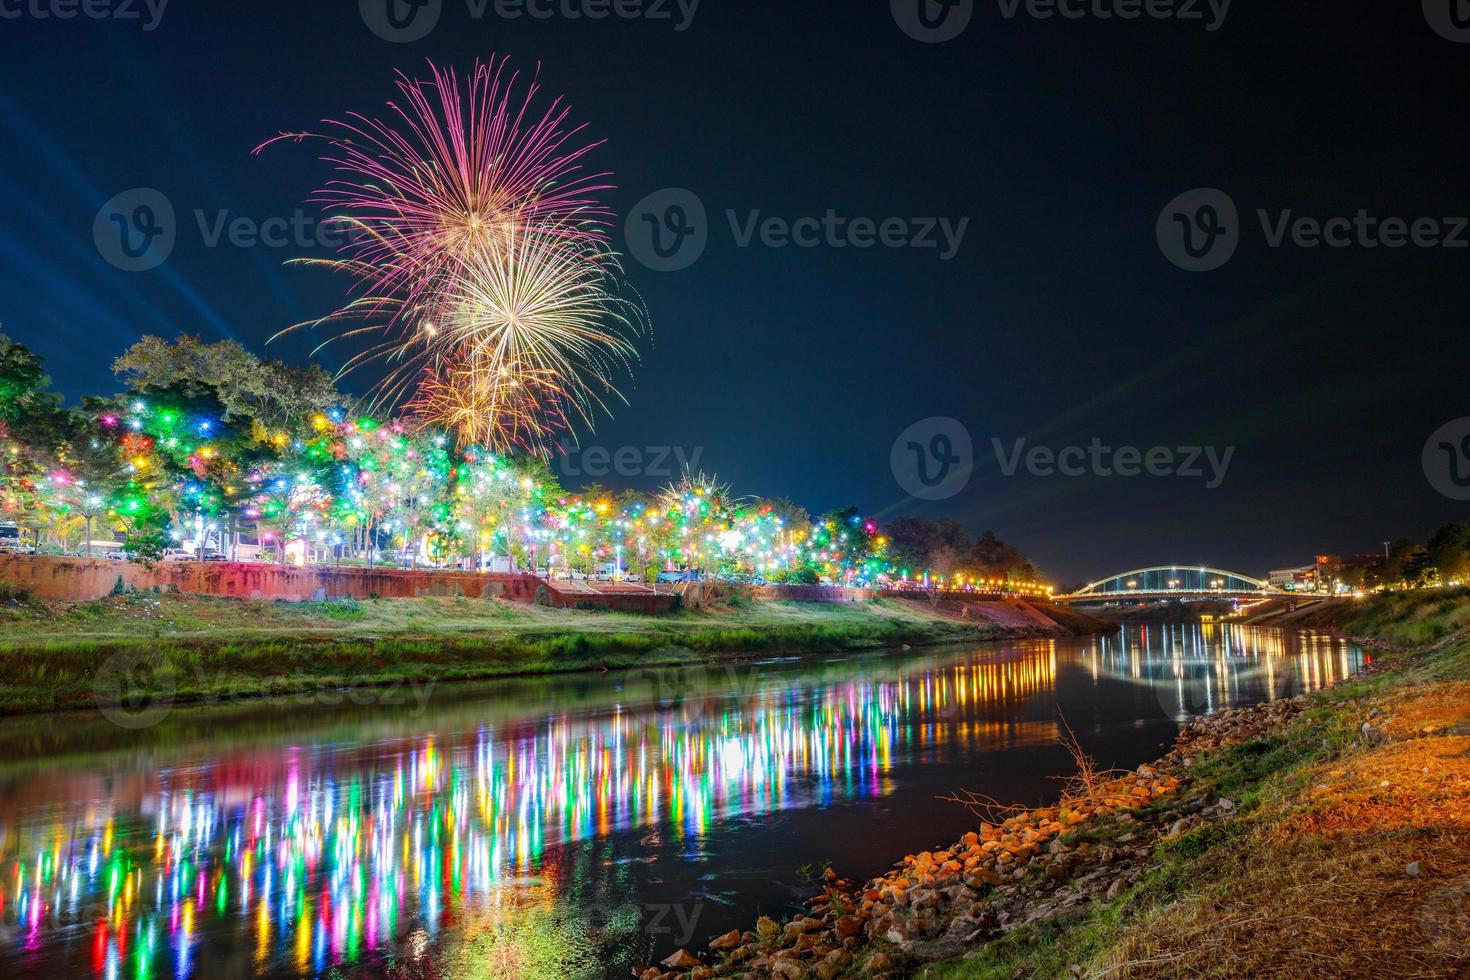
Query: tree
[
  {"x": 274, "y": 395},
  {"x": 91, "y": 473},
  {"x": 23, "y": 380},
  {"x": 1404, "y": 562},
  {"x": 32, "y": 425},
  {"x": 994, "y": 559},
  {"x": 912, "y": 541},
  {"x": 1449, "y": 552},
  {"x": 188, "y": 458}
]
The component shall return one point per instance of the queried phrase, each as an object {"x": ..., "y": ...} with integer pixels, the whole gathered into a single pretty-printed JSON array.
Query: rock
[
  {"x": 848, "y": 925},
  {"x": 839, "y": 958},
  {"x": 980, "y": 877},
  {"x": 742, "y": 953},
  {"x": 701, "y": 973},
  {"x": 790, "y": 969},
  {"x": 1414, "y": 870},
  {"x": 682, "y": 960},
  {"x": 729, "y": 940},
  {"x": 878, "y": 962}
]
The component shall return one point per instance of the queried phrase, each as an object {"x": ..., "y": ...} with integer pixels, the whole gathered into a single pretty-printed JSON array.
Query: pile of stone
[
  {"x": 1232, "y": 727},
  {"x": 1024, "y": 870},
  {"x": 930, "y": 905}
]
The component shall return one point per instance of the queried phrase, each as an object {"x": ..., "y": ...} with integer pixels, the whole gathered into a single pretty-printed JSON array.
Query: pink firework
[{"x": 458, "y": 168}]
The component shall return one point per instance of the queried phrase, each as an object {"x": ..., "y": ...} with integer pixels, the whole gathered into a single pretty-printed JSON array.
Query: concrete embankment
[{"x": 1018, "y": 616}]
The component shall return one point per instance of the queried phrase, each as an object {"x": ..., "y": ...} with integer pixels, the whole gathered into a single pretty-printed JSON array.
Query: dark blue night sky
[{"x": 1058, "y": 320}]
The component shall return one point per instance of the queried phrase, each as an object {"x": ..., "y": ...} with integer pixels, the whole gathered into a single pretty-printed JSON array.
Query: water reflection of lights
[
  {"x": 1201, "y": 668},
  {"x": 311, "y": 857}
]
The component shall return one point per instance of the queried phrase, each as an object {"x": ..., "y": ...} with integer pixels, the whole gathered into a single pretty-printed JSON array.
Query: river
[{"x": 564, "y": 826}]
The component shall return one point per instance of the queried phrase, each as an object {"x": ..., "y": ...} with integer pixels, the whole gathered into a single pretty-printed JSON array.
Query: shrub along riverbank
[
  {"x": 1322, "y": 836},
  {"x": 135, "y": 648}
]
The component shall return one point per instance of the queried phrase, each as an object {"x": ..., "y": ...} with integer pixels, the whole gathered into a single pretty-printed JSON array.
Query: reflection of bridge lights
[{"x": 1201, "y": 669}]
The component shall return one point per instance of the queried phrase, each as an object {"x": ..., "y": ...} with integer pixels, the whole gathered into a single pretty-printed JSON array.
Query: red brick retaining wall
[
  {"x": 79, "y": 579},
  {"x": 814, "y": 593}
]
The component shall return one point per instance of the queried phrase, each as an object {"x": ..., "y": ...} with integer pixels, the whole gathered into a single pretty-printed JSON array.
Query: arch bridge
[{"x": 1174, "y": 582}]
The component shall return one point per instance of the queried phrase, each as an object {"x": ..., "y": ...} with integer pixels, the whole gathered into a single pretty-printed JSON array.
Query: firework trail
[{"x": 479, "y": 252}]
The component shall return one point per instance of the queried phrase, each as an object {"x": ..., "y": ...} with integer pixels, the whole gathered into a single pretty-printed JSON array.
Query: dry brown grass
[
  {"x": 1442, "y": 708},
  {"x": 1321, "y": 886},
  {"x": 1089, "y": 786},
  {"x": 1086, "y": 789}
]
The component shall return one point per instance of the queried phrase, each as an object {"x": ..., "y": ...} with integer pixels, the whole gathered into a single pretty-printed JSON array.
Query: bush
[{"x": 13, "y": 592}]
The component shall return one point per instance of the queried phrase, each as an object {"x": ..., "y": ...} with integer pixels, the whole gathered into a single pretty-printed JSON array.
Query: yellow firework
[
  {"x": 505, "y": 410},
  {"x": 478, "y": 251}
]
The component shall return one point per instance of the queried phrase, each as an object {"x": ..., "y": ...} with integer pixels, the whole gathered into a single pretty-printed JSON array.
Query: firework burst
[
  {"x": 479, "y": 253},
  {"x": 514, "y": 410}
]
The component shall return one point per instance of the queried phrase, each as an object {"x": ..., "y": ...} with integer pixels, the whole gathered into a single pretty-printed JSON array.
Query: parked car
[{"x": 191, "y": 554}]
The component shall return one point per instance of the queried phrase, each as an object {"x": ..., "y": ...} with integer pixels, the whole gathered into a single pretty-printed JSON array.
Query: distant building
[
  {"x": 1320, "y": 576},
  {"x": 1302, "y": 579}
]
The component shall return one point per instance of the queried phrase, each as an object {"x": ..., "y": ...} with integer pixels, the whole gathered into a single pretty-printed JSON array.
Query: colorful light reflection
[
  {"x": 327, "y": 854},
  {"x": 323, "y": 867}
]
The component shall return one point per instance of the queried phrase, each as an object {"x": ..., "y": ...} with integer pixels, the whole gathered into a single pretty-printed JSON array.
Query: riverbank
[
  {"x": 1325, "y": 835},
  {"x": 136, "y": 648}
]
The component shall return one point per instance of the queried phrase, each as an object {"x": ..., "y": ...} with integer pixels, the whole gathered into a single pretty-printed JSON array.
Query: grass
[
  {"x": 1397, "y": 619},
  {"x": 1348, "y": 854},
  {"x": 190, "y": 648},
  {"x": 1411, "y": 618}
]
